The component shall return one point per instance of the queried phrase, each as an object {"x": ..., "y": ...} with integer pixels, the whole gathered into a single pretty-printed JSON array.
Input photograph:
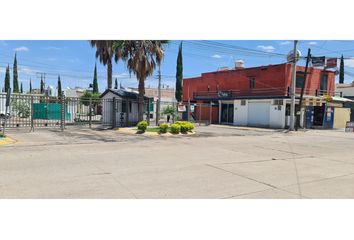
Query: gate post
[
  {"x": 32, "y": 113},
  {"x": 62, "y": 120},
  {"x": 200, "y": 114},
  {"x": 210, "y": 113},
  {"x": 114, "y": 113},
  {"x": 90, "y": 112},
  {"x": 148, "y": 112}
]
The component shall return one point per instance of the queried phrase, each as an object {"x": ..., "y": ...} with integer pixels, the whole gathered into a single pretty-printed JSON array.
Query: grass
[{"x": 154, "y": 129}]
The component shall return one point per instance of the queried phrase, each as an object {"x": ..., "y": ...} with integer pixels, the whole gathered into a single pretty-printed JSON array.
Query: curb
[{"x": 7, "y": 141}]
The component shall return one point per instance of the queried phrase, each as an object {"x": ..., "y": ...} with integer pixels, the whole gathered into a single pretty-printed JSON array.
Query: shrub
[
  {"x": 163, "y": 127},
  {"x": 185, "y": 126},
  {"x": 142, "y": 126},
  {"x": 175, "y": 128}
]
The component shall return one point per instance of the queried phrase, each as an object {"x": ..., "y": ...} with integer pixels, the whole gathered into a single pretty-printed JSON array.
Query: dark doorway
[
  {"x": 318, "y": 113},
  {"x": 227, "y": 113}
]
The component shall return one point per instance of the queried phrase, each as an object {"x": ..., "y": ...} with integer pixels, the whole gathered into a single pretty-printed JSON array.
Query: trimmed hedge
[
  {"x": 185, "y": 126},
  {"x": 175, "y": 128},
  {"x": 163, "y": 127},
  {"x": 142, "y": 126}
]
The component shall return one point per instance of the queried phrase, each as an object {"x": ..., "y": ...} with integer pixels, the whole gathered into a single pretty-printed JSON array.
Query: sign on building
[
  {"x": 224, "y": 94},
  {"x": 318, "y": 61},
  {"x": 181, "y": 108},
  {"x": 349, "y": 127},
  {"x": 331, "y": 63}
]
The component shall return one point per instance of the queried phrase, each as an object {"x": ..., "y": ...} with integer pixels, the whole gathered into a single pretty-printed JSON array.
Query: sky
[{"x": 74, "y": 61}]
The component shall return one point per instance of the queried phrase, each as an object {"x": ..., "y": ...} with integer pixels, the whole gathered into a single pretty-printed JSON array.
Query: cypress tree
[
  {"x": 341, "y": 70},
  {"x": 15, "y": 77},
  {"x": 116, "y": 84},
  {"x": 95, "y": 83},
  {"x": 42, "y": 85},
  {"x": 59, "y": 87},
  {"x": 179, "y": 74},
  {"x": 30, "y": 88},
  {"x": 7, "y": 79},
  {"x": 21, "y": 88}
]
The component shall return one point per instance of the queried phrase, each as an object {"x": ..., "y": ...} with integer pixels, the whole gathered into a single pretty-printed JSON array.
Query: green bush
[
  {"x": 142, "y": 126},
  {"x": 175, "y": 128},
  {"x": 163, "y": 127},
  {"x": 185, "y": 126}
]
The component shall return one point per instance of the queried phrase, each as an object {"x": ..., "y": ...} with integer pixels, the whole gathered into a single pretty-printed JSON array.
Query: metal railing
[{"x": 257, "y": 92}]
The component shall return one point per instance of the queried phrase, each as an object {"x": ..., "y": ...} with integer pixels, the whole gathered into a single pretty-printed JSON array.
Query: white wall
[
  {"x": 276, "y": 118},
  {"x": 240, "y": 113}
]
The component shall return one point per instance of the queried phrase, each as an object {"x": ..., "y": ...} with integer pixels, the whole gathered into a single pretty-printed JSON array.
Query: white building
[{"x": 120, "y": 107}]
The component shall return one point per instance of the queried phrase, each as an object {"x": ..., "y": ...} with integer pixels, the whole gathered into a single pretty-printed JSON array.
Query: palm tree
[
  {"x": 141, "y": 58},
  {"x": 105, "y": 53}
]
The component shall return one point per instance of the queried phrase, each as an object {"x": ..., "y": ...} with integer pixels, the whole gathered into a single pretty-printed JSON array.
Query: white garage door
[{"x": 258, "y": 114}]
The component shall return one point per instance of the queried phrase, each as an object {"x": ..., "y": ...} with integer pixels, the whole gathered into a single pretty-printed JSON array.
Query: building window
[
  {"x": 243, "y": 102},
  {"x": 300, "y": 79},
  {"x": 323, "y": 83},
  {"x": 252, "y": 83},
  {"x": 278, "y": 102}
]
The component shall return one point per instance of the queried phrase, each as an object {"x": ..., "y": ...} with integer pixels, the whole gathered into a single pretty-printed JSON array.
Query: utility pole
[
  {"x": 303, "y": 88},
  {"x": 293, "y": 88}
]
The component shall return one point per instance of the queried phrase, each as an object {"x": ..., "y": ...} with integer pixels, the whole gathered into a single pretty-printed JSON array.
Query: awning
[{"x": 341, "y": 99}]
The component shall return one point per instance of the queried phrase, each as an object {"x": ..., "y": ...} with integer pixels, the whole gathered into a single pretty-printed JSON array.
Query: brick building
[{"x": 259, "y": 96}]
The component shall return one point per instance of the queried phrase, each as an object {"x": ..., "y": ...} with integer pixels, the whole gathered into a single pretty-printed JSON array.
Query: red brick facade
[{"x": 272, "y": 80}]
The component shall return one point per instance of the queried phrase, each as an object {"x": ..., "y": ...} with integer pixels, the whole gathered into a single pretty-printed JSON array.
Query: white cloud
[
  {"x": 266, "y": 48},
  {"x": 285, "y": 43},
  {"x": 21, "y": 49},
  {"x": 216, "y": 56},
  {"x": 349, "y": 62},
  {"x": 312, "y": 43}
]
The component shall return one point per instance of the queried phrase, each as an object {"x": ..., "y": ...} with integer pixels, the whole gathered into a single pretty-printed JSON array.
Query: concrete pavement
[{"x": 217, "y": 162}]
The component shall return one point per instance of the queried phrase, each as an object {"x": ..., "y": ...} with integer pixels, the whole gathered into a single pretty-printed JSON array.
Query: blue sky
[{"x": 75, "y": 60}]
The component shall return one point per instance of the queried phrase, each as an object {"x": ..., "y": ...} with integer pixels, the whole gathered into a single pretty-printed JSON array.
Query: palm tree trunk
[
  {"x": 141, "y": 99},
  {"x": 109, "y": 74}
]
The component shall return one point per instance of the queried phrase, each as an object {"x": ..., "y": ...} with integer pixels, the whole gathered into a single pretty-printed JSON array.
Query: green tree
[
  {"x": 85, "y": 99},
  {"x": 95, "y": 83},
  {"x": 105, "y": 53},
  {"x": 59, "y": 87},
  {"x": 341, "y": 70},
  {"x": 116, "y": 84},
  {"x": 141, "y": 58},
  {"x": 21, "y": 88},
  {"x": 7, "y": 79},
  {"x": 15, "y": 76},
  {"x": 179, "y": 74},
  {"x": 30, "y": 87}
]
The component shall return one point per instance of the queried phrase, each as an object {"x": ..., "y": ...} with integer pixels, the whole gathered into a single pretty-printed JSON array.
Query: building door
[
  {"x": 318, "y": 114},
  {"x": 227, "y": 113},
  {"x": 258, "y": 114}
]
